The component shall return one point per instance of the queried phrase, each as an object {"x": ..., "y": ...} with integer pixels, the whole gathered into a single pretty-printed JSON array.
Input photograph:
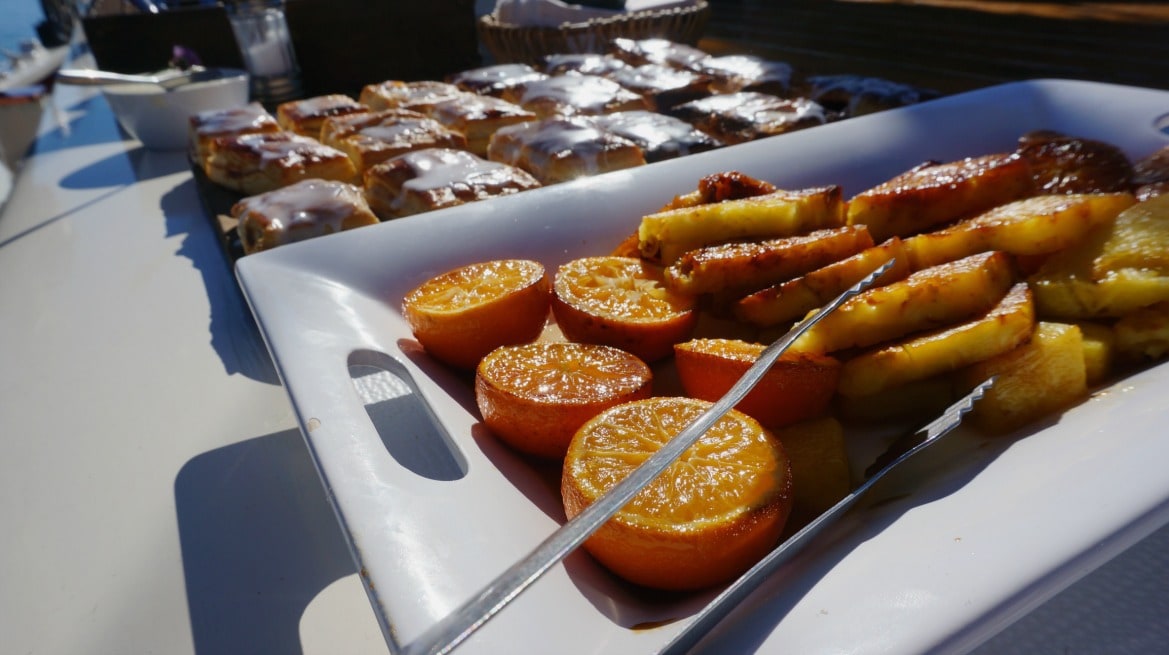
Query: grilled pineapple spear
[
  {"x": 932, "y": 194},
  {"x": 666, "y": 235},
  {"x": 790, "y": 300},
  {"x": 1116, "y": 270},
  {"x": 1007, "y": 325},
  {"x": 928, "y": 299},
  {"x": 750, "y": 265},
  {"x": 1032, "y": 226},
  {"x": 1039, "y": 225}
]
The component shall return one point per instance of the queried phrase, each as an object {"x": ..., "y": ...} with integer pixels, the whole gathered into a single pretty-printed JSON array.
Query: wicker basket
[{"x": 530, "y": 44}]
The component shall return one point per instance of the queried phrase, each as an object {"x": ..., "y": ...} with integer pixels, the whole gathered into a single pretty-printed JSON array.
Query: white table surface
[{"x": 155, "y": 494}]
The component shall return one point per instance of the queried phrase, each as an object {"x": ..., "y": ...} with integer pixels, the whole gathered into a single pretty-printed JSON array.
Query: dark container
[{"x": 341, "y": 45}]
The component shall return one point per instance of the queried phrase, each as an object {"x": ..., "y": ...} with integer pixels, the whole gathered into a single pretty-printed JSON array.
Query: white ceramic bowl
[{"x": 159, "y": 118}]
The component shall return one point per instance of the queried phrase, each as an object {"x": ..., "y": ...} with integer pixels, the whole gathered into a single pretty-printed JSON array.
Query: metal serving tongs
[
  {"x": 445, "y": 635},
  {"x": 901, "y": 450}
]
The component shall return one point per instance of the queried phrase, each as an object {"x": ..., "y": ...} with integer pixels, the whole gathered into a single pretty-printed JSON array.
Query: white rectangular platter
[{"x": 434, "y": 508}]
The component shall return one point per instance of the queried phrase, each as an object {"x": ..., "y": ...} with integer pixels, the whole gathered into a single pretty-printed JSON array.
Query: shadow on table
[
  {"x": 123, "y": 169},
  {"x": 259, "y": 541},
  {"x": 234, "y": 334},
  {"x": 84, "y": 127}
]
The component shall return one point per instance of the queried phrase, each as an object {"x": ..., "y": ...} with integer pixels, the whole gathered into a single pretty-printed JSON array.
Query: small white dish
[{"x": 159, "y": 117}]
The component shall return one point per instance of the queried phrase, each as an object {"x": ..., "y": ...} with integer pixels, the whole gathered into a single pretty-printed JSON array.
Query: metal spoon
[{"x": 170, "y": 79}]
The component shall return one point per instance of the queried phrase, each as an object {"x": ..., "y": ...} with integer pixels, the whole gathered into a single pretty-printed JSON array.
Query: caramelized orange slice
[
  {"x": 622, "y": 302},
  {"x": 535, "y": 396},
  {"x": 463, "y": 314},
  {"x": 799, "y": 386},
  {"x": 704, "y": 520}
]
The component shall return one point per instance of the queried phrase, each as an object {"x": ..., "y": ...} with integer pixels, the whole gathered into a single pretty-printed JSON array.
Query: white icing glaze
[
  {"x": 657, "y": 133},
  {"x": 654, "y": 78},
  {"x": 494, "y": 78},
  {"x": 578, "y": 138},
  {"x": 286, "y": 148},
  {"x": 583, "y": 63},
  {"x": 447, "y": 177},
  {"x": 657, "y": 51},
  {"x": 321, "y": 107},
  {"x": 306, "y": 209},
  {"x": 457, "y": 111},
  {"x": 584, "y": 94},
  {"x": 400, "y": 131},
  {"x": 794, "y": 110},
  {"x": 395, "y": 93},
  {"x": 765, "y": 111},
  {"x": 747, "y": 70},
  {"x": 236, "y": 120}
]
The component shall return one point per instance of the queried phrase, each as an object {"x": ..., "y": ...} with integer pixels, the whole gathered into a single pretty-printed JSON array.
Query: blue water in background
[{"x": 18, "y": 20}]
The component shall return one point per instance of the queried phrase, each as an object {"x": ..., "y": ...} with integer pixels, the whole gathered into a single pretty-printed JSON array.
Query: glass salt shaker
[{"x": 266, "y": 46}]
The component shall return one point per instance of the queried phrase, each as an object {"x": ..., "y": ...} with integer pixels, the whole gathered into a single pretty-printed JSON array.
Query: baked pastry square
[
  {"x": 478, "y": 117},
  {"x": 856, "y": 95},
  {"x": 563, "y": 148},
  {"x": 255, "y": 163},
  {"x": 733, "y": 73},
  {"x": 585, "y": 63},
  {"x": 663, "y": 86},
  {"x": 216, "y": 123},
  {"x": 571, "y": 95},
  {"x": 659, "y": 136},
  {"x": 305, "y": 210},
  {"x": 638, "y": 52},
  {"x": 334, "y": 129},
  {"x": 495, "y": 80},
  {"x": 390, "y": 134},
  {"x": 305, "y": 116},
  {"x": 425, "y": 180},
  {"x": 396, "y": 94},
  {"x": 748, "y": 115}
]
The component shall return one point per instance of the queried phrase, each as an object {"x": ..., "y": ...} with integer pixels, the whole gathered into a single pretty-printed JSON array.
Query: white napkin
[{"x": 553, "y": 13}]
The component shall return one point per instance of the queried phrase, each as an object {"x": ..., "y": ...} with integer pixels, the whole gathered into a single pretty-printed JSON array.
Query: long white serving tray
[{"x": 435, "y": 508}]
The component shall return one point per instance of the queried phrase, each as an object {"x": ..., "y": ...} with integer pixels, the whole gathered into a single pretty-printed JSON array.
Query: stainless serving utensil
[
  {"x": 170, "y": 79},
  {"x": 445, "y": 635},
  {"x": 901, "y": 450}
]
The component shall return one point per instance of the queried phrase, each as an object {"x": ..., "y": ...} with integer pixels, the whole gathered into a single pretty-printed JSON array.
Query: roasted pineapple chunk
[
  {"x": 1001, "y": 329},
  {"x": 1043, "y": 376},
  {"x": 1039, "y": 225},
  {"x": 1139, "y": 238},
  {"x": 932, "y": 194},
  {"x": 665, "y": 235},
  {"x": 926, "y": 300},
  {"x": 788, "y": 301},
  {"x": 1060, "y": 295},
  {"x": 1099, "y": 351},
  {"x": 819, "y": 461},
  {"x": 750, "y": 265},
  {"x": 1117, "y": 269},
  {"x": 1144, "y": 335}
]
